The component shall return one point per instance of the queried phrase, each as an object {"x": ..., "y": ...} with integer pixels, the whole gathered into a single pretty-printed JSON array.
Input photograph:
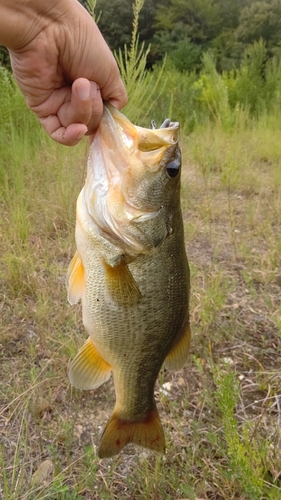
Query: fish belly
[{"x": 134, "y": 339}]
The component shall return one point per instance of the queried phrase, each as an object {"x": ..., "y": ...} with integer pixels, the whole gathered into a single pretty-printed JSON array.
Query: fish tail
[{"x": 118, "y": 432}]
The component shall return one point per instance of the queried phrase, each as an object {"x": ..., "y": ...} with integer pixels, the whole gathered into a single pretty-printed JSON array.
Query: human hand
[{"x": 65, "y": 69}]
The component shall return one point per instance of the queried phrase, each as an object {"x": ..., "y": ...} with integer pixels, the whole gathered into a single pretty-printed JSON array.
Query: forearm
[{"x": 22, "y": 20}]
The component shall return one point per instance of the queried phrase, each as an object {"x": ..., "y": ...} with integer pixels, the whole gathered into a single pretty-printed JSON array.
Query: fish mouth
[
  {"x": 146, "y": 147},
  {"x": 121, "y": 156},
  {"x": 144, "y": 140}
]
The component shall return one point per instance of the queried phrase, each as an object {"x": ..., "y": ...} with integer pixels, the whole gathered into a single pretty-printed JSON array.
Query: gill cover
[{"x": 124, "y": 186}]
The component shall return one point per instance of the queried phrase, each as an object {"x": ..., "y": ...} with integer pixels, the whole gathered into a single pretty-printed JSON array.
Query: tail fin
[{"x": 118, "y": 432}]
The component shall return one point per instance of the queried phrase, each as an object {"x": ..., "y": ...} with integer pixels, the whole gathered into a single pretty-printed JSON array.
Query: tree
[
  {"x": 116, "y": 17},
  {"x": 200, "y": 18},
  {"x": 230, "y": 11},
  {"x": 185, "y": 29},
  {"x": 227, "y": 50},
  {"x": 185, "y": 55},
  {"x": 261, "y": 20}
]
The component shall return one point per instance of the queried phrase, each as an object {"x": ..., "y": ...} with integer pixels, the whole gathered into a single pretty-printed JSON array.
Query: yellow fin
[
  {"x": 88, "y": 370},
  {"x": 75, "y": 279},
  {"x": 121, "y": 284},
  {"x": 118, "y": 432},
  {"x": 178, "y": 354}
]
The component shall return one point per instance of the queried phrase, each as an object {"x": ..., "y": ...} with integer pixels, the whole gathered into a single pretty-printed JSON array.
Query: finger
[
  {"x": 120, "y": 98},
  {"x": 97, "y": 109},
  {"x": 79, "y": 108},
  {"x": 85, "y": 106},
  {"x": 115, "y": 93},
  {"x": 68, "y": 136},
  {"x": 73, "y": 134}
]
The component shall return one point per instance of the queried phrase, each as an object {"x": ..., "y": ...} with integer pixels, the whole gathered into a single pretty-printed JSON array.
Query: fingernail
[
  {"x": 95, "y": 91},
  {"x": 81, "y": 134},
  {"x": 83, "y": 92}
]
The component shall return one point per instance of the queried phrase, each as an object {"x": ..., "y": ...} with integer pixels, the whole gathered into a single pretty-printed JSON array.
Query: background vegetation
[
  {"x": 185, "y": 29},
  {"x": 222, "y": 412}
]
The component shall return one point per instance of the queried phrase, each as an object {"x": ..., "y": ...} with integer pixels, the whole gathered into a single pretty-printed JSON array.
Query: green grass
[{"x": 221, "y": 413}]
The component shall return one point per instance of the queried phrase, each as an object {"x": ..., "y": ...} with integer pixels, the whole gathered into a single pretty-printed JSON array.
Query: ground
[{"x": 221, "y": 413}]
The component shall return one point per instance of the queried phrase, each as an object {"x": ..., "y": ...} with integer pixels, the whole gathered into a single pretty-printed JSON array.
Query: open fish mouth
[
  {"x": 145, "y": 140},
  {"x": 122, "y": 162}
]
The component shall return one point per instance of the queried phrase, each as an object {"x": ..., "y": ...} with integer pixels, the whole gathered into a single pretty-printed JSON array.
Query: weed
[
  {"x": 140, "y": 85},
  {"x": 221, "y": 413},
  {"x": 246, "y": 455}
]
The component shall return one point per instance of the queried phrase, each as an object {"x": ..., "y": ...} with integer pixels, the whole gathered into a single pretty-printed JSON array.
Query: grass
[{"x": 222, "y": 412}]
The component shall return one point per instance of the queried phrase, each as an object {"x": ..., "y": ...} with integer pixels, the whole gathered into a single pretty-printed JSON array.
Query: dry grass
[{"x": 222, "y": 412}]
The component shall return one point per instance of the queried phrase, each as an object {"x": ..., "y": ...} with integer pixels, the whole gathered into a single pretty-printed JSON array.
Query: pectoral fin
[
  {"x": 75, "y": 279},
  {"x": 88, "y": 370},
  {"x": 121, "y": 285},
  {"x": 178, "y": 354}
]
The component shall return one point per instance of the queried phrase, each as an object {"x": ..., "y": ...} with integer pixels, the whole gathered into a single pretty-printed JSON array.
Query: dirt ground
[{"x": 235, "y": 318}]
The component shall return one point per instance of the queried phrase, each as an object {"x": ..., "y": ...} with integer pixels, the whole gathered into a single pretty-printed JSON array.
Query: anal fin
[
  {"x": 88, "y": 370},
  {"x": 118, "y": 432},
  {"x": 178, "y": 354},
  {"x": 121, "y": 285},
  {"x": 75, "y": 279}
]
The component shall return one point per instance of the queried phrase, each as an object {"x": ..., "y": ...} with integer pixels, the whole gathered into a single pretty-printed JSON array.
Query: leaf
[{"x": 41, "y": 474}]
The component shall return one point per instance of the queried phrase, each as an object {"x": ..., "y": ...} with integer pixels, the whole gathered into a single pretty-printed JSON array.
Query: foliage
[
  {"x": 253, "y": 88},
  {"x": 185, "y": 55},
  {"x": 184, "y": 29},
  {"x": 214, "y": 93},
  {"x": 261, "y": 19},
  {"x": 199, "y": 18},
  {"x": 17, "y": 126},
  {"x": 256, "y": 83},
  {"x": 227, "y": 50},
  {"x": 246, "y": 455},
  {"x": 91, "y": 7},
  {"x": 178, "y": 100},
  {"x": 115, "y": 21},
  {"x": 140, "y": 84},
  {"x": 221, "y": 412},
  {"x": 4, "y": 57}
]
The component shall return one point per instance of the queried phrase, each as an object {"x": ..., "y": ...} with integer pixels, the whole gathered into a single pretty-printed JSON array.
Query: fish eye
[{"x": 173, "y": 168}]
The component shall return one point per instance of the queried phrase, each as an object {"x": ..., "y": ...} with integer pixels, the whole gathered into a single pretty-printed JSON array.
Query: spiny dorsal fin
[
  {"x": 178, "y": 354},
  {"x": 75, "y": 279},
  {"x": 121, "y": 284},
  {"x": 88, "y": 370},
  {"x": 118, "y": 432}
]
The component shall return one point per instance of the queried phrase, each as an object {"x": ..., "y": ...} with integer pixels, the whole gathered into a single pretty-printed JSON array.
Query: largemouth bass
[{"x": 131, "y": 272}]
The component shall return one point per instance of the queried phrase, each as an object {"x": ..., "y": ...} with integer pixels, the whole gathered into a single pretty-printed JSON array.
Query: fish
[{"x": 131, "y": 272}]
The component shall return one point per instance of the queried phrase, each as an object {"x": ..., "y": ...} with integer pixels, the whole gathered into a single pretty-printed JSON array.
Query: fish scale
[{"x": 131, "y": 272}]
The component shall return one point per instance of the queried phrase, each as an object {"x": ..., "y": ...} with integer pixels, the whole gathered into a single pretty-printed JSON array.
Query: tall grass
[
  {"x": 232, "y": 98},
  {"x": 140, "y": 84},
  {"x": 222, "y": 412}
]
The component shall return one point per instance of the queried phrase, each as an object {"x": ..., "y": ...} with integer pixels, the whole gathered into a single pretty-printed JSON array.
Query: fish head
[{"x": 132, "y": 190}]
